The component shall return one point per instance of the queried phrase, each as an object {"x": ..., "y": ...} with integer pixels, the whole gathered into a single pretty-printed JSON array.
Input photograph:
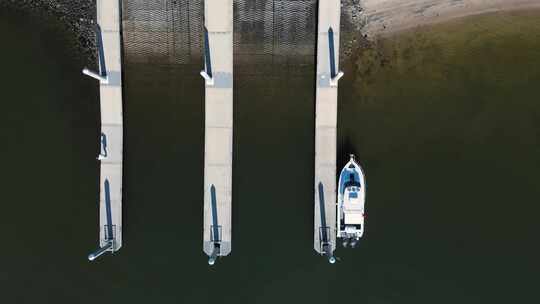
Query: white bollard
[
  {"x": 101, "y": 157},
  {"x": 209, "y": 80},
  {"x": 96, "y": 76},
  {"x": 94, "y": 255},
  {"x": 334, "y": 81}
]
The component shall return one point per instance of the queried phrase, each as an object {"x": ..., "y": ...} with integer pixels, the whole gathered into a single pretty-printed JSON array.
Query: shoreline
[
  {"x": 363, "y": 20},
  {"x": 386, "y": 17}
]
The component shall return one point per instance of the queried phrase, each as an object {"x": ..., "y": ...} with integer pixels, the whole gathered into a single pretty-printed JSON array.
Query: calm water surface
[{"x": 445, "y": 120}]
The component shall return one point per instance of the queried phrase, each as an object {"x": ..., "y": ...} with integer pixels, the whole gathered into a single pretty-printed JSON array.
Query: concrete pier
[
  {"x": 111, "y": 139},
  {"x": 218, "y": 76},
  {"x": 326, "y": 126}
]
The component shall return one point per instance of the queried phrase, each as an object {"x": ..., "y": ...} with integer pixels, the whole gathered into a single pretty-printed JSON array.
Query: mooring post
[
  {"x": 102, "y": 75},
  {"x": 214, "y": 255},
  {"x": 207, "y": 72},
  {"x": 109, "y": 234},
  {"x": 96, "y": 76},
  {"x": 103, "y": 147},
  {"x": 328, "y": 253},
  {"x": 334, "y": 77},
  {"x": 94, "y": 255}
]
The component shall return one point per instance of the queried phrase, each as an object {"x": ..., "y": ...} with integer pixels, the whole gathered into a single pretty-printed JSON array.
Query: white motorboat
[{"x": 351, "y": 203}]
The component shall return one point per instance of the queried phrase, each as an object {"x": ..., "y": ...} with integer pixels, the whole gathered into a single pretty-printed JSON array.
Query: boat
[{"x": 351, "y": 203}]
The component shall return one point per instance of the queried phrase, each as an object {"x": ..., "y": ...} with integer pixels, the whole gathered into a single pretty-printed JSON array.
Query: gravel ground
[{"x": 77, "y": 15}]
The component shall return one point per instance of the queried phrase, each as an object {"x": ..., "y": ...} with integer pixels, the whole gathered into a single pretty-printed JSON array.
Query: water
[{"x": 447, "y": 131}]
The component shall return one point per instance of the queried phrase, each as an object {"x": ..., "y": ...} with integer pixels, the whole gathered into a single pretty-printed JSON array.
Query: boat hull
[{"x": 351, "y": 203}]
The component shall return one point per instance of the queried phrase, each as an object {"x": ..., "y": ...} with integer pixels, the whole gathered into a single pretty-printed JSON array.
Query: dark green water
[{"x": 446, "y": 122}]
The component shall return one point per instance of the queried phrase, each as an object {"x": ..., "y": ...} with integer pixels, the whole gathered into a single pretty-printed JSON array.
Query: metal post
[
  {"x": 207, "y": 73},
  {"x": 109, "y": 235},
  {"x": 94, "y": 255},
  {"x": 214, "y": 255},
  {"x": 207, "y": 61},
  {"x": 103, "y": 147},
  {"x": 327, "y": 252},
  {"x": 95, "y": 75},
  {"x": 334, "y": 77},
  {"x": 102, "y": 75},
  {"x": 101, "y": 52}
]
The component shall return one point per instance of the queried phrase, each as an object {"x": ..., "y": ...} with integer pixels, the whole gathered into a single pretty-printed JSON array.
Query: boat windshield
[{"x": 352, "y": 183}]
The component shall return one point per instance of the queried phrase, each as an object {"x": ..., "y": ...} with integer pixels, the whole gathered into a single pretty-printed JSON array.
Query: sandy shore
[{"x": 383, "y": 17}]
